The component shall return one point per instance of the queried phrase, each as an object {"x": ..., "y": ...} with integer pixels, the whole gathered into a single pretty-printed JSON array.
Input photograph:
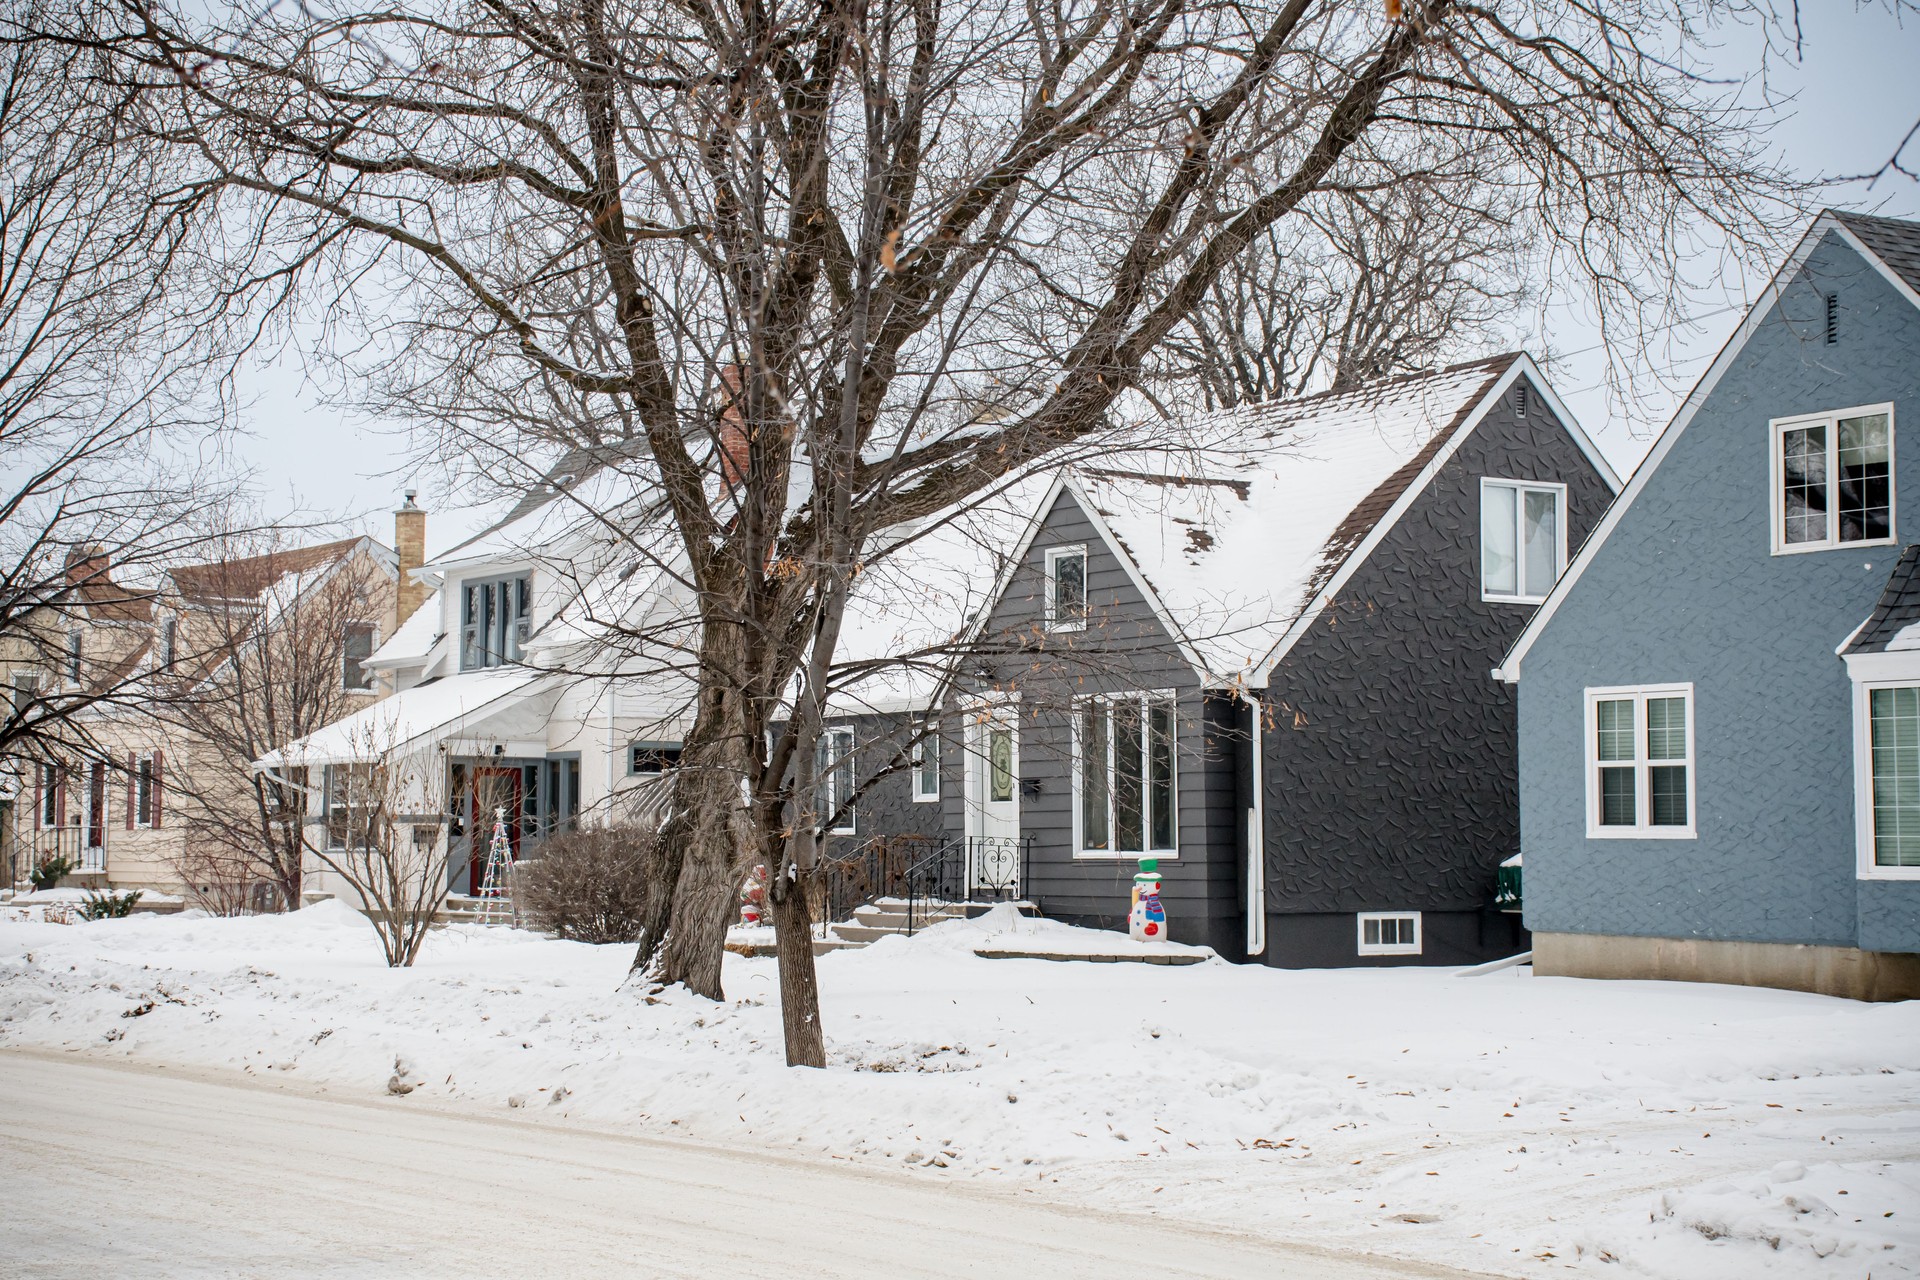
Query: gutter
[{"x": 1256, "y": 833}]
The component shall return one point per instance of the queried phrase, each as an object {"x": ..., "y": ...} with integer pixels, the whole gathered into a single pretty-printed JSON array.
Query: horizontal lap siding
[{"x": 1124, "y": 648}]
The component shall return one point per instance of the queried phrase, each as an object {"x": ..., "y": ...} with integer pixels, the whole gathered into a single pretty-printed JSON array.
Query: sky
[{"x": 1855, "y": 94}]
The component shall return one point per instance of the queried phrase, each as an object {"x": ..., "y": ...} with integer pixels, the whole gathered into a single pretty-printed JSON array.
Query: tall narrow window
[
  {"x": 1125, "y": 773},
  {"x": 1894, "y": 740},
  {"x": 169, "y": 642},
  {"x": 833, "y": 763},
  {"x": 349, "y": 789},
  {"x": 926, "y": 764},
  {"x": 1523, "y": 540},
  {"x": 73, "y": 656},
  {"x": 356, "y": 646},
  {"x": 143, "y": 792},
  {"x": 1066, "y": 588},
  {"x": 1640, "y": 761},
  {"x": 1833, "y": 480},
  {"x": 49, "y": 796}
]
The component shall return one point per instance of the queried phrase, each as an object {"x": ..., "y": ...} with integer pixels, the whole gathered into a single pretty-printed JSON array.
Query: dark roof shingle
[
  {"x": 1893, "y": 241},
  {"x": 1898, "y": 608}
]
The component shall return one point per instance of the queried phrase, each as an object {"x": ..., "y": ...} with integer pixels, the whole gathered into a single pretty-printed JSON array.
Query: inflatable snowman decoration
[{"x": 1147, "y": 922}]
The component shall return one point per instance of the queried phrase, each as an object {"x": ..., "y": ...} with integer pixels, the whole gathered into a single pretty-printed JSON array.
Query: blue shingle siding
[
  {"x": 1390, "y": 773},
  {"x": 1686, "y": 589}
]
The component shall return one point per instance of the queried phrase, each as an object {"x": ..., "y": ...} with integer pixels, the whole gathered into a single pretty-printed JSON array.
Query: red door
[{"x": 492, "y": 789}]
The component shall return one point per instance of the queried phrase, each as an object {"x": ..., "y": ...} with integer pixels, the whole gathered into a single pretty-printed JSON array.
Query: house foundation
[{"x": 1829, "y": 971}]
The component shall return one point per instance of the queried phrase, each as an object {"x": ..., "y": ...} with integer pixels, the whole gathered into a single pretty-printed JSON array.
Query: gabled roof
[
  {"x": 1243, "y": 545},
  {"x": 249, "y": 577},
  {"x": 1891, "y": 626},
  {"x": 1863, "y": 234}
]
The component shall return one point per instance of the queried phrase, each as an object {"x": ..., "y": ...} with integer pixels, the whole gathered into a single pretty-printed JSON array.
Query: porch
[{"x": 83, "y": 845}]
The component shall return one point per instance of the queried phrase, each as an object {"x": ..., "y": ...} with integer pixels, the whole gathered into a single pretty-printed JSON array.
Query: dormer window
[
  {"x": 73, "y": 656},
  {"x": 1066, "y": 588},
  {"x": 1833, "y": 480},
  {"x": 495, "y": 617}
]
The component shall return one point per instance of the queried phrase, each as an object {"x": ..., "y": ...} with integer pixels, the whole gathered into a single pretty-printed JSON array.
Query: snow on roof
[
  {"x": 1237, "y": 544},
  {"x": 440, "y": 708},
  {"x": 412, "y": 642}
]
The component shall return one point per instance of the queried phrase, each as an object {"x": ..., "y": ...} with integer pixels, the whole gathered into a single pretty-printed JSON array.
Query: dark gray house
[
  {"x": 1720, "y": 701},
  {"x": 1264, "y": 661}
]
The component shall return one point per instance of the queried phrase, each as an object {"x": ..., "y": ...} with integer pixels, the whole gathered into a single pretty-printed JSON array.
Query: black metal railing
[
  {"x": 974, "y": 869},
  {"x": 877, "y": 869}
]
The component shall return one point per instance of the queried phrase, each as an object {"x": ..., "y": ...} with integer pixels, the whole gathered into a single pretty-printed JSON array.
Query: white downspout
[{"x": 1256, "y": 833}]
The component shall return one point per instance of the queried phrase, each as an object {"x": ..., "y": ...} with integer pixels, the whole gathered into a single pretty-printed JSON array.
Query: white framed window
[
  {"x": 169, "y": 642},
  {"x": 1388, "y": 933},
  {"x": 73, "y": 656},
  {"x": 356, "y": 646},
  {"x": 926, "y": 765},
  {"x": 1066, "y": 588},
  {"x": 349, "y": 789},
  {"x": 834, "y": 767},
  {"x": 1640, "y": 772},
  {"x": 1832, "y": 476},
  {"x": 1887, "y": 778},
  {"x": 1126, "y": 788},
  {"x": 1523, "y": 539}
]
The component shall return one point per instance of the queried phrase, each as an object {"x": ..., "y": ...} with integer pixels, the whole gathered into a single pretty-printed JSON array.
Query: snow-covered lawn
[{"x": 1514, "y": 1124}]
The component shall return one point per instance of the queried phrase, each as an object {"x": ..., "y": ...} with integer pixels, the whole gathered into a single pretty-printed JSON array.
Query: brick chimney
[
  {"x": 410, "y": 544},
  {"x": 87, "y": 566}
]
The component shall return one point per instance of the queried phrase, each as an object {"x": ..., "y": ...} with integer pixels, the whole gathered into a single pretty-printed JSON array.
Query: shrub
[
  {"x": 589, "y": 885},
  {"x": 49, "y": 872},
  {"x": 108, "y": 905}
]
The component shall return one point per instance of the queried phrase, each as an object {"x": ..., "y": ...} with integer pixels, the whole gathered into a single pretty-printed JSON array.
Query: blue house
[{"x": 1719, "y": 703}]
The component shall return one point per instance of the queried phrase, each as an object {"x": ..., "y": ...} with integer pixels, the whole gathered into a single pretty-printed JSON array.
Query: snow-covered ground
[{"x": 1517, "y": 1125}]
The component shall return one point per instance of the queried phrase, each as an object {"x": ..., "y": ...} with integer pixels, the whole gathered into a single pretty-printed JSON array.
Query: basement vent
[{"x": 1833, "y": 318}]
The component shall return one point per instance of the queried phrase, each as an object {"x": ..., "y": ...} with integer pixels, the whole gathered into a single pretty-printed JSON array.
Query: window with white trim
[
  {"x": 1066, "y": 588},
  {"x": 356, "y": 646},
  {"x": 1124, "y": 774},
  {"x": 495, "y": 615},
  {"x": 833, "y": 765},
  {"x": 349, "y": 791},
  {"x": 1893, "y": 745},
  {"x": 1640, "y": 775},
  {"x": 926, "y": 764},
  {"x": 1389, "y": 933},
  {"x": 1833, "y": 480},
  {"x": 1523, "y": 539}
]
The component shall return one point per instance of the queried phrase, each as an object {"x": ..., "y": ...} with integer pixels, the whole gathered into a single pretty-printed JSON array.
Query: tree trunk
[{"x": 799, "y": 987}]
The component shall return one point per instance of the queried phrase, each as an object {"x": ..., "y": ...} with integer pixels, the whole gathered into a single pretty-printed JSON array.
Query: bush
[
  {"x": 49, "y": 872},
  {"x": 109, "y": 905},
  {"x": 587, "y": 886}
]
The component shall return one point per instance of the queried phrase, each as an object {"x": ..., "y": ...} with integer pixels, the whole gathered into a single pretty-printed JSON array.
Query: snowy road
[{"x": 134, "y": 1172}]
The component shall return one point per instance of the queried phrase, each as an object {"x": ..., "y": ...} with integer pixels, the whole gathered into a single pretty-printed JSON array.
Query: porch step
[{"x": 884, "y": 917}]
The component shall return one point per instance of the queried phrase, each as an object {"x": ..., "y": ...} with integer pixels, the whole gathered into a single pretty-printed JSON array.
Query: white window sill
[
  {"x": 926, "y": 799},
  {"x": 1066, "y": 626},
  {"x": 1389, "y": 951},
  {"x": 1642, "y": 833},
  {"x": 1493, "y": 599},
  {"x": 1129, "y": 855},
  {"x": 1802, "y": 548},
  {"x": 1889, "y": 873}
]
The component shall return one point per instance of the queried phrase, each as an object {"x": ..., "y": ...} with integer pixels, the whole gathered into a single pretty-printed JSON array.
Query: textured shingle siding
[
  {"x": 1686, "y": 589},
  {"x": 887, "y": 807},
  {"x": 1126, "y": 648},
  {"x": 1390, "y": 770}
]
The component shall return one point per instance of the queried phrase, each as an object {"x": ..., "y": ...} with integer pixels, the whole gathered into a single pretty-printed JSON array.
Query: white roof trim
[
  {"x": 1263, "y": 670},
  {"x": 1509, "y": 668}
]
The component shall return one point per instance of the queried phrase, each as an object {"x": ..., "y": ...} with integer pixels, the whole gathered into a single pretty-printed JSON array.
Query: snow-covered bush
[{"x": 588, "y": 885}]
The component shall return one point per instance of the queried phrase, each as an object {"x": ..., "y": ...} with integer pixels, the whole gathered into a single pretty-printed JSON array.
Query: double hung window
[
  {"x": 1523, "y": 539},
  {"x": 833, "y": 765},
  {"x": 1640, "y": 762},
  {"x": 1833, "y": 480},
  {"x": 356, "y": 646},
  {"x": 143, "y": 796},
  {"x": 494, "y": 618},
  {"x": 1124, "y": 771},
  {"x": 1066, "y": 588},
  {"x": 349, "y": 805}
]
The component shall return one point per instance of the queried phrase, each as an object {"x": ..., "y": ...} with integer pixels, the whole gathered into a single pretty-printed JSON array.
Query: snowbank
[{"x": 1513, "y": 1124}]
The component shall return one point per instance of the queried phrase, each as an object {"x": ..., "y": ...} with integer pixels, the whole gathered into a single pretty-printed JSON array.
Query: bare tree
[
  {"x": 827, "y": 270},
  {"x": 382, "y": 830},
  {"x": 266, "y": 627}
]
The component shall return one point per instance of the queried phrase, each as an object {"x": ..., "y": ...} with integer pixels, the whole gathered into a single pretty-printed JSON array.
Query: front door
[
  {"x": 495, "y": 791},
  {"x": 992, "y": 785}
]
